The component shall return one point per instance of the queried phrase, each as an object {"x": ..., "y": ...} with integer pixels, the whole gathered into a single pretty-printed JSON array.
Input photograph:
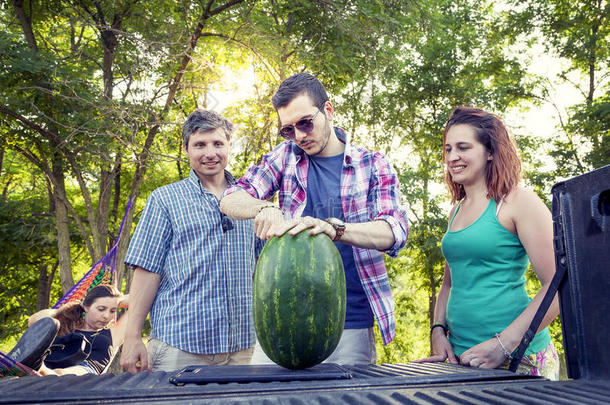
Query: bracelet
[
  {"x": 269, "y": 206},
  {"x": 439, "y": 325},
  {"x": 506, "y": 352}
]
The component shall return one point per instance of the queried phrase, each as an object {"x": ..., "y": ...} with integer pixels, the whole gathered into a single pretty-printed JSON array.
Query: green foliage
[
  {"x": 579, "y": 31},
  {"x": 576, "y": 29},
  {"x": 27, "y": 241},
  {"x": 589, "y": 122},
  {"x": 412, "y": 323}
]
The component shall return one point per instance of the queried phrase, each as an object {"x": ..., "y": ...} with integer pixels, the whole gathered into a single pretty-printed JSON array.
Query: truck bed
[{"x": 430, "y": 383}]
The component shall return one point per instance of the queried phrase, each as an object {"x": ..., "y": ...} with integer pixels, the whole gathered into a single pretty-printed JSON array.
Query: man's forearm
[
  {"x": 241, "y": 205},
  {"x": 142, "y": 293},
  {"x": 369, "y": 235}
]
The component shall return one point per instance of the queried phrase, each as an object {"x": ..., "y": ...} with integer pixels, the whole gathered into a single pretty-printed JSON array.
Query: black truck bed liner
[{"x": 382, "y": 384}]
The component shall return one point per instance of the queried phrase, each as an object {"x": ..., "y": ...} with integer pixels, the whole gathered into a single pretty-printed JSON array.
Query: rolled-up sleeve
[
  {"x": 263, "y": 180},
  {"x": 384, "y": 202}
]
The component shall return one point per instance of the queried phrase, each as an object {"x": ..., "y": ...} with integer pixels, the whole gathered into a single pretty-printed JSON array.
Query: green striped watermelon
[{"x": 299, "y": 299}]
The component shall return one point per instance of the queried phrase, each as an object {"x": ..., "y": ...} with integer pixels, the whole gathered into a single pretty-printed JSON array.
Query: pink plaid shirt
[{"x": 369, "y": 191}]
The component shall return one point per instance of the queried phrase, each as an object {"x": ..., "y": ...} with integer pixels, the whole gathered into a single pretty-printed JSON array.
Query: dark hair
[
  {"x": 70, "y": 315},
  {"x": 204, "y": 120},
  {"x": 296, "y": 85},
  {"x": 503, "y": 171}
]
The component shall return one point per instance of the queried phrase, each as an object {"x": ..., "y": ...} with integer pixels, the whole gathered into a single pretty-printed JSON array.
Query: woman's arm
[
  {"x": 534, "y": 226},
  {"x": 124, "y": 301},
  {"x": 43, "y": 313},
  {"x": 118, "y": 330}
]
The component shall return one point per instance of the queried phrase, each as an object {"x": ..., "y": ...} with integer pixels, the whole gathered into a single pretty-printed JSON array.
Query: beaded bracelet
[
  {"x": 506, "y": 352},
  {"x": 439, "y": 325},
  {"x": 269, "y": 206}
]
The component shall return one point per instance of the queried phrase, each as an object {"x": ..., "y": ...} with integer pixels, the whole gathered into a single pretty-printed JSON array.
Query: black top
[{"x": 101, "y": 348}]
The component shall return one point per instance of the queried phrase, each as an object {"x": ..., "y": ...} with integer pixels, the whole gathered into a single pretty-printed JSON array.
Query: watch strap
[{"x": 339, "y": 229}]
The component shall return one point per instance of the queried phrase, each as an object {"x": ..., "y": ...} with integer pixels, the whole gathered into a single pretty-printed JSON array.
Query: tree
[
  {"x": 76, "y": 128},
  {"x": 579, "y": 32},
  {"x": 27, "y": 240}
]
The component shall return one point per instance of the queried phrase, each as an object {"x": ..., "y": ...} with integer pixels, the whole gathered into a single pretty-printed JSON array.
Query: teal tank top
[{"x": 487, "y": 264}]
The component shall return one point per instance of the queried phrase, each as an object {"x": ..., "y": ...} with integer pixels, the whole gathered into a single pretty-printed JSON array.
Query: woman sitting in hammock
[{"x": 91, "y": 319}]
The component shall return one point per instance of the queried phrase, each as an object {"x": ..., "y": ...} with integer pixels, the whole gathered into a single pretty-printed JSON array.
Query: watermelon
[{"x": 299, "y": 299}]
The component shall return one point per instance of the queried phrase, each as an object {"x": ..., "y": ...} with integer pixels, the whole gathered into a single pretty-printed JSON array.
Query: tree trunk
[
  {"x": 26, "y": 24},
  {"x": 103, "y": 211},
  {"x": 109, "y": 41},
  {"x": 117, "y": 186},
  {"x": 45, "y": 280},
  {"x": 122, "y": 273},
  {"x": 63, "y": 230},
  {"x": 2, "y": 155},
  {"x": 592, "y": 64}
]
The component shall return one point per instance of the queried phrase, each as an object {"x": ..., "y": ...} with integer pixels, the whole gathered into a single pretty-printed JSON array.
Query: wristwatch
[{"x": 338, "y": 225}]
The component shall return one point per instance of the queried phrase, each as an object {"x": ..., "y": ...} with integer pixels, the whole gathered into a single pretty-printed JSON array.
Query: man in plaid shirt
[
  {"x": 193, "y": 265},
  {"x": 327, "y": 185}
]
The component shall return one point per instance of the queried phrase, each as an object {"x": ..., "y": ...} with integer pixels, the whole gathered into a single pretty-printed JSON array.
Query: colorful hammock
[
  {"x": 11, "y": 368},
  {"x": 102, "y": 272}
]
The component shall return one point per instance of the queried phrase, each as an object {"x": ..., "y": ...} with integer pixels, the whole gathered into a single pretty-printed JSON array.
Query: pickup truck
[{"x": 581, "y": 216}]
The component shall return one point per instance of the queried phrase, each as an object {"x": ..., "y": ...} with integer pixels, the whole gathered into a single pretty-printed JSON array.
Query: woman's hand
[
  {"x": 124, "y": 301},
  {"x": 487, "y": 354},
  {"x": 441, "y": 349}
]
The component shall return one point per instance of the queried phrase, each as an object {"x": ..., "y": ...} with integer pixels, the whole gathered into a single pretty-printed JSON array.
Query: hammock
[
  {"x": 102, "y": 272},
  {"x": 11, "y": 368}
]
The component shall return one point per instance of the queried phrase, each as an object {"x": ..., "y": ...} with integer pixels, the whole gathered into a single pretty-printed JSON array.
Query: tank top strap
[
  {"x": 500, "y": 205},
  {"x": 457, "y": 208}
]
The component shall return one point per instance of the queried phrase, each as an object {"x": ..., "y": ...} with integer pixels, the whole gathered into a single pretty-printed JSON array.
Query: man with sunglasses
[
  {"x": 327, "y": 185},
  {"x": 193, "y": 264}
]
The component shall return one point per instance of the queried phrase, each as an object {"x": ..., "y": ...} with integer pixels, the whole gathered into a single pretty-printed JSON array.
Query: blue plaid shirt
[{"x": 204, "y": 300}]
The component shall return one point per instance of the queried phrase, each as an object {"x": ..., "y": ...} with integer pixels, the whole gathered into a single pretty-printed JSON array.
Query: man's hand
[
  {"x": 315, "y": 226},
  {"x": 134, "y": 357},
  {"x": 268, "y": 226},
  {"x": 266, "y": 219}
]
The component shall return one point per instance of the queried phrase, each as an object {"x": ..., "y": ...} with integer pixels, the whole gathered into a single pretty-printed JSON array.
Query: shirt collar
[
  {"x": 342, "y": 135},
  {"x": 194, "y": 179}
]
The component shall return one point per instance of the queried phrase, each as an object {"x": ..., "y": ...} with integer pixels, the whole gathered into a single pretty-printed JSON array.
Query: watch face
[{"x": 335, "y": 222}]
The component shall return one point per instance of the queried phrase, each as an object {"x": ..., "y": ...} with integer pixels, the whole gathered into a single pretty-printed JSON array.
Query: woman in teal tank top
[{"x": 495, "y": 231}]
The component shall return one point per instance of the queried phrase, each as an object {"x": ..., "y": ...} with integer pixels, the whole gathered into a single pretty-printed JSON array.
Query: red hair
[{"x": 503, "y": 171}]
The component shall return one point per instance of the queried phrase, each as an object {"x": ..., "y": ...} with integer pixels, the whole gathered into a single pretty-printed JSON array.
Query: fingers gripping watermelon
[{"x": 299, "y": 299}]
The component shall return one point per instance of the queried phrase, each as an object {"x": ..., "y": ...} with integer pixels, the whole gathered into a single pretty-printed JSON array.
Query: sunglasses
[
  {"x": 304, "y": 125},
  {"x": 226, "y": 223}
]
